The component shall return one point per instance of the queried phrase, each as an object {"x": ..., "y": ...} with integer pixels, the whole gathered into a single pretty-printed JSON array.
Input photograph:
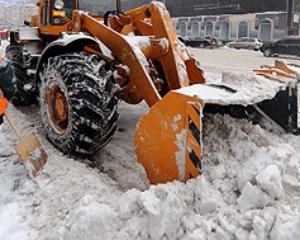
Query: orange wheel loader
[{"x": 78, "y": 66}]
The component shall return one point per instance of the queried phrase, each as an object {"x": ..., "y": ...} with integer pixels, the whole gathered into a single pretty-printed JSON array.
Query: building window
[
  {"x": 265, "y": 30},
  {"x": 224, "y": 31},
  {"x": 182, "y": 29},
  {"x": 195, "y": 29},
  {"x": 209, "y": 29},
  {"x": 243, "y": 29}
]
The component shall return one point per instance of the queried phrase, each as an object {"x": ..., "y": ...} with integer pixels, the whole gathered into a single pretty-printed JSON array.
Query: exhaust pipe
[{"x": 118, "y": 5}]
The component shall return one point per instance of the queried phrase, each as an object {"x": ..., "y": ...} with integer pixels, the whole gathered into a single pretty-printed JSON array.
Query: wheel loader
[{"x": 78, "y": 66}]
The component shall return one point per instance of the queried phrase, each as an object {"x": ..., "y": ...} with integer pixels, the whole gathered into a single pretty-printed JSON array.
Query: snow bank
[
  {"x": 235, "y": 88},
  {"x": 249, "y": 190}
]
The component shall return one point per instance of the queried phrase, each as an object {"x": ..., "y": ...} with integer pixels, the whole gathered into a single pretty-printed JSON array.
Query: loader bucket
[{"x": 168, "y": 139}]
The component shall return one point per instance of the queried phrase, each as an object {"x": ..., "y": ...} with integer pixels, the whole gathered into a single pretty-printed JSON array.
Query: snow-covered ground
[
  {"x": 3, "y": 45},
  {"x": 250, "y": 188},
  {"x": 215, "y": 61}
]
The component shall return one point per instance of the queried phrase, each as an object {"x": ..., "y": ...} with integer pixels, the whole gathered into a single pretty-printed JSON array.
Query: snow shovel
[{"x": 30, "y": 151}]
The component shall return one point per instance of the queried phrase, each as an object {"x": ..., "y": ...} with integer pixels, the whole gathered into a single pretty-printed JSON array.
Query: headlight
[{"x": 59, "y": 4}]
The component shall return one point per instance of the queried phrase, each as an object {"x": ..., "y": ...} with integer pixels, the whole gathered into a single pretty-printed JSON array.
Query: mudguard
[{"x": 68, "y": 42}]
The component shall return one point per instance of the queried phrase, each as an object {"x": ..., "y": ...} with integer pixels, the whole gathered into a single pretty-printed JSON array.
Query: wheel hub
[{"x": 57, "y": 108}]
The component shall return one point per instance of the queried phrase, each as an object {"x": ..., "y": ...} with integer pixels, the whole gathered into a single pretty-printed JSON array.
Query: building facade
[
  {"x": 180, "y": 8},
  {"x": 266, "y": 26},
  {"x": 225, "y": 19},
  {"x": 270, "y": 21}
]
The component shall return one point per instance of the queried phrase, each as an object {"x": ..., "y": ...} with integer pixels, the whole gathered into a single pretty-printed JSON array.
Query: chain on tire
[{"x": 78, "y": 104}]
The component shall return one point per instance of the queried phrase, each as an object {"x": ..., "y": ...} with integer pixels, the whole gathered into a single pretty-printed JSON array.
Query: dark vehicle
[
  {"x": 196, "y": 42},
  {"x": 212, "y": 41},
  {"x": 286, "y": 46}
]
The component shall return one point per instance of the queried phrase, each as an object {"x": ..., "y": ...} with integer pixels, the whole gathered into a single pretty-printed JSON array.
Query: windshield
[
  {"x": 96, "y": 7},
  {"x": 69, "y": 7}
]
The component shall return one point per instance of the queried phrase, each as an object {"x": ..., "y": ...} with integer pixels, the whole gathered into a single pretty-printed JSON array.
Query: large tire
[
  {"x": 89, "y": 115},
  {"x": 14, "y": 54}
]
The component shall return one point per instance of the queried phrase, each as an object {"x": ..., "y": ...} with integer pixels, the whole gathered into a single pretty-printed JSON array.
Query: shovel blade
[
  {"x": 31, "y": 153},
  {"x": 168, "y": 139}
]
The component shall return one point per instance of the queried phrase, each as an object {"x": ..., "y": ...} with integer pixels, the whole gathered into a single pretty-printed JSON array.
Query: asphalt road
[{"x": 216, "y": 61}]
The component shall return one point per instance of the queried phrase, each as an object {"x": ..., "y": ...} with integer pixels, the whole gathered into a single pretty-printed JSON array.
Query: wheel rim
[{"x": 58, "y": 111}]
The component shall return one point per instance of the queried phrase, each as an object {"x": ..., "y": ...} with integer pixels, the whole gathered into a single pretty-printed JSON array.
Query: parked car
[
  {"x": 286, "y": 46},
  {"x": 246, "y": 43},
  {"x": 196, "y": 42}
]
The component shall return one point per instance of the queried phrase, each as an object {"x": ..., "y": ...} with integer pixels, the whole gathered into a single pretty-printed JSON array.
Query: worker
[{"x": 7, "y": 80}]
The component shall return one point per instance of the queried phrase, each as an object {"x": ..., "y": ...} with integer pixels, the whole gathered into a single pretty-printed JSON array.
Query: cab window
[
  {"x": 97, "y": 8},
  {"x": 69, "y": 7},
  {"x": 57, "y": 17}
]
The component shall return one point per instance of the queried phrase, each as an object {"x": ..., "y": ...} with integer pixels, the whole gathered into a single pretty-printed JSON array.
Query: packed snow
[
  {"x": 235, "y": 88},
  {"x": 250, "y": 188}
]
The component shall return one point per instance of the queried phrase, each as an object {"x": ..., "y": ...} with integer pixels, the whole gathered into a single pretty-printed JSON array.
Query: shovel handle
[{"x": 16, "y": 130}]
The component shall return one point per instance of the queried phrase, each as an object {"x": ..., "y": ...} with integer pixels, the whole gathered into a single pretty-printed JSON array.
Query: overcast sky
[{"x": 17, "y": 1}]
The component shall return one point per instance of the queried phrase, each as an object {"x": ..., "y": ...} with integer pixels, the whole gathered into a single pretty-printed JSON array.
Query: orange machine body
[{"x": 168, "y": 138}]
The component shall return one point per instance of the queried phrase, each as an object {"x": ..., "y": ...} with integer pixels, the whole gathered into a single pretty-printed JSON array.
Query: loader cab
[
  {"x": 54, "y": 15},
  {"x": 60, "y": 10}
]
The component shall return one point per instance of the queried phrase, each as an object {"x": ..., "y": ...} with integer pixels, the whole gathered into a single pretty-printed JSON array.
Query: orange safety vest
[{"x": 3, "y": 103}]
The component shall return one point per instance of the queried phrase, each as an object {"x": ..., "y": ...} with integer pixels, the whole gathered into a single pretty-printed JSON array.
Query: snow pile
[
  {"x": 250, "y": 189},
  {"x": 235, "y": 88}
]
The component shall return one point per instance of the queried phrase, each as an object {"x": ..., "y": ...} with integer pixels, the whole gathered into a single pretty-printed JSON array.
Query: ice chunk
[
  {"x": 259, "y": 227},
  {"x": 269, "y": 180},
  {"x": 92, "y": 221},
  {"x": 269, "y": 214},
  {"x": 286, "y": 229},
  {"x": 150, "y": 202},
  {"x": 129, "y": 203},
  {"x": 291, "y": 175},
  {"x": 242, "y": 234},
  {"x": 207, "y": 199},
  {"x": 251, "y": 198}
]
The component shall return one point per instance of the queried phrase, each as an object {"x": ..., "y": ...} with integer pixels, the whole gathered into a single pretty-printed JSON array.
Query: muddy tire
[
  {"x": 78, "y": 105},
  {"x": 14, "y": 54}
]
